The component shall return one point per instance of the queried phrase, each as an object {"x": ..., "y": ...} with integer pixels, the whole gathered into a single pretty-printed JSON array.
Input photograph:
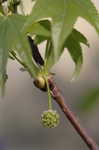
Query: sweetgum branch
[{"x": 58, "y": 97}]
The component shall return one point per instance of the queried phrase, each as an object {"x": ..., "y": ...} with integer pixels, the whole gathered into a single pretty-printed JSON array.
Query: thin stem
[
  {"x": 48, "y": 44},
  {"x": 49, "y": 95},
  {"x": 57, "y": 96},
  {"x": 47, "y": 48},
  {"x": 20, "y": 62},
  {"x": 14, "y": 55}
]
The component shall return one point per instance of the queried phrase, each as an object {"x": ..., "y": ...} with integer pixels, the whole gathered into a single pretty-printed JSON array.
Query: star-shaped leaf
[
  {"x": 62, "y": 15},
  {"x": 72, "y": 43}
]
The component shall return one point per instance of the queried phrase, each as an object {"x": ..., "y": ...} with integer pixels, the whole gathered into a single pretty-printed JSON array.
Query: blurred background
[{"x": 21, "y": 108}]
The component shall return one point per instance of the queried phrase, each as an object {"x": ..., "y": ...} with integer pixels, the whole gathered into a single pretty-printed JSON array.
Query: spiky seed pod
[{"x": 50, "y": 118}]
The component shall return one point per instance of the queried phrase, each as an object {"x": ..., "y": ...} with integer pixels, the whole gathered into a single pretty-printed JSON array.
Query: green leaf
[
  {"x": 39, "y": 39},
  {"x": 87, "y": 10},
  {"x": 11, "y": 37},
  {"x": 75, "y": 51},
  {"x": 78, "y": 36},
  {"x": 72, "y": 44},
  {"x": 4, "y": 43},
  {"x": 41, "y": 28},
  {"x": 58, "y": 12},
  {"x": 62, "y": 15},
  {"x": 74, "y": 48},
  {"x": 21, "y": 45},
  {"x": 42, "y": 31}
]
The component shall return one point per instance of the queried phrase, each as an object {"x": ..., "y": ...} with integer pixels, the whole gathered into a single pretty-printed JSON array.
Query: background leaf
[{"x": 89, "y": 99}]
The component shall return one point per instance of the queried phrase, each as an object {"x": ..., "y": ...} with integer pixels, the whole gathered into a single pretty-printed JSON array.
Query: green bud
[
  {"x": 50, "y": 118},
  {"x": 40, "y": 82}
]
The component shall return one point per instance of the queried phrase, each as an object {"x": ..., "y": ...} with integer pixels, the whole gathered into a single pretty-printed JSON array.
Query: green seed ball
[{"x": 50, "y": 118}]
